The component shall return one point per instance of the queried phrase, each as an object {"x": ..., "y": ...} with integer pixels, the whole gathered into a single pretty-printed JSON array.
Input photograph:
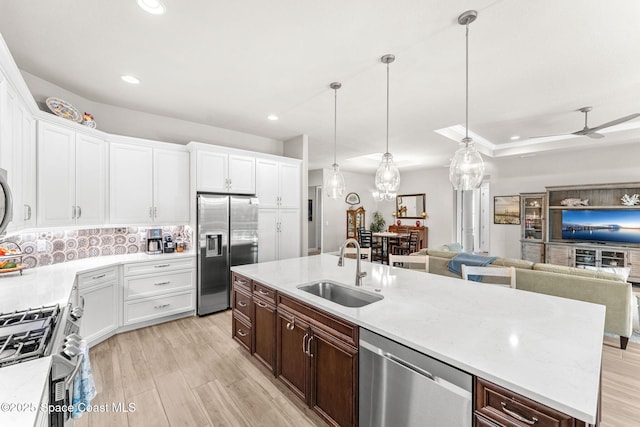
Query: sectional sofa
[{"x": 592, "y": 286}]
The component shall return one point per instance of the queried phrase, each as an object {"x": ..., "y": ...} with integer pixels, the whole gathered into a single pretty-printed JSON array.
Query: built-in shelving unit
[
  {"x": 596, "y": 253},
  {"x": 533, "y": 223}
]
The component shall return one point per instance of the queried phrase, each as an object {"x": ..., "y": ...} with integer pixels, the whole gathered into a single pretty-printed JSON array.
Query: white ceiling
[{"x": 230, "y": 64}]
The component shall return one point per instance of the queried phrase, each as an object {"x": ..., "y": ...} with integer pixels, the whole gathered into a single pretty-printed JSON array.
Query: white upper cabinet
[
  {"x": 222, "y": 171},
  {"x": 242, "y": 174},
  {"x": 91, "y": 180},
  {"x": 278, "y": 183},
  {"x": 71, "y": 177},
  {"x": 28, "y": 168},
  {"x": 171, "y": 186},
  {"x": 18, "y": 158},
  {"x": 212, "y": 171},
  {"x": 131, "y": 183},
  {"x": 289, "y": 183},
  {"x": 148, "y": 184},
  {"x": 267, "y": 183}
]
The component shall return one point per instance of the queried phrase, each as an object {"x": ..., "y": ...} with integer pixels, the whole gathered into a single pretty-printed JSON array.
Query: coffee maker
[{"x": 154, "y": 241}]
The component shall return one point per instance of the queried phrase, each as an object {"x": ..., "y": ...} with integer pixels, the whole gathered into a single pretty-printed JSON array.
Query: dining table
[{"x": 384, "y": 237}]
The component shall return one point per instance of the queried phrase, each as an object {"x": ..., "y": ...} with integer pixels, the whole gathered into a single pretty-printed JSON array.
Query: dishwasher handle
[{"x": 408, "y": 365}]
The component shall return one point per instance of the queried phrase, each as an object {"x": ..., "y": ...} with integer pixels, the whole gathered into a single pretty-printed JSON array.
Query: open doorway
[{"x": 315, "y": 220}]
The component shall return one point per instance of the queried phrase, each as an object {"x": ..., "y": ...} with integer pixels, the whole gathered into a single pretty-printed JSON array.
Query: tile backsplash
[{"x": 67, "y": 245}]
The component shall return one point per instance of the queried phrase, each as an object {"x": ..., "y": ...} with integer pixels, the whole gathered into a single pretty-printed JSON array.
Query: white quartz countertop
[
  {"x": 52, "y": 284},
  {"x": 24, "y": 382},
  {"x": 546, "y": 348},
  {"x": 21, "y": 392}
]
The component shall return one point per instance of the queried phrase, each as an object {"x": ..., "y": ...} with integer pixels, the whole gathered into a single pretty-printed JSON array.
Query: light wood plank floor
[{"x": 190, "y": 372}]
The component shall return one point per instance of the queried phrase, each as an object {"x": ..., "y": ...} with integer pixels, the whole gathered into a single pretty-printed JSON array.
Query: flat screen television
[{"x": 601, "y": 225}]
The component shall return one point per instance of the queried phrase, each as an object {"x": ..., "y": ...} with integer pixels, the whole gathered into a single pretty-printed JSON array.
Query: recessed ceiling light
[
  {"x": 154, "y": 7},
  {"x": 272, "y": 117},
  {"x": 130, "y": 79},
  {"x": 515, "y": 137}
]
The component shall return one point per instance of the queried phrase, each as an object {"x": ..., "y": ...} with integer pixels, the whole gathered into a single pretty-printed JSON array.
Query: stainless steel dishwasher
[{"x": 399, "y": 386}]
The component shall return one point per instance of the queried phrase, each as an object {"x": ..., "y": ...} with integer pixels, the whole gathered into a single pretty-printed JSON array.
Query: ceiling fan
[{"x": 593, "y": 132}]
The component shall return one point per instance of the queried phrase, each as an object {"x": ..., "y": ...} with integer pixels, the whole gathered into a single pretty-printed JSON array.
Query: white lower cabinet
[
  {"x": 99, "y": 290},
  {"x": 278, "y": 234},
  {"x": 155, "y": 289}
]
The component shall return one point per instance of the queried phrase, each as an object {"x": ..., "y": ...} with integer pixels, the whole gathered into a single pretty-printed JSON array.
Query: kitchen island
[{"x": 545, "y": 348}]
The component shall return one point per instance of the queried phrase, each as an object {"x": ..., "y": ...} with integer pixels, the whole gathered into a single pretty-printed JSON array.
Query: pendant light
[
  {"x": 334, "y": 184},
  {"x": 467, "y": 168},
  {"x": 387, "y": 175}
]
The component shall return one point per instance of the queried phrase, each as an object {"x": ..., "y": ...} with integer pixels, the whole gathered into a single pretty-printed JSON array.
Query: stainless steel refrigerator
[{"x": 227, "y": 235}]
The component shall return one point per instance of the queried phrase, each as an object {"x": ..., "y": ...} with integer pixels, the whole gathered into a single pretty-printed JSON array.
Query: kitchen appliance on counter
[
  {"x": 227, "y": 235},
  {"x": 46, "y": 331},
  {"x": 169, "y": 245},
  {"x": 154, "y": 241},
  {"x": 400, "y": 386}
]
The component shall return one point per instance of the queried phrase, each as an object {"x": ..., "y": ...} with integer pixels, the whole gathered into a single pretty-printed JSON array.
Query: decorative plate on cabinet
[
  {"x": 63, "y": 109},
  {"x": 352, "y": 199}
]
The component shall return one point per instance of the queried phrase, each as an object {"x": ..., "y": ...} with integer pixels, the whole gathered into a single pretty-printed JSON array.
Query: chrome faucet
[{"x": 359, "y": 274}]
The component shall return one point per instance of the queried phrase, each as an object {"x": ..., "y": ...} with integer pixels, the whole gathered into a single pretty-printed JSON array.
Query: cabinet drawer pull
[
  {"x": 240, "y": 282},
  {"x": 99, "y": 276},
  {"x": 261, "y": 304},
  {"x": 162, "y": 283},
  {"x": 242, "y": 334},
  {"x": 291, "y": 325},
  {"x": 242, "y": 303},
  {"x": 309, "y": 346},
  {"x": 517, "y": 416},
  {"x": 162, "y": 305},
  {"x": 304, "y": 343},
  {"x": 161, "y": 265},
  {"x": 263, "y": 292}
]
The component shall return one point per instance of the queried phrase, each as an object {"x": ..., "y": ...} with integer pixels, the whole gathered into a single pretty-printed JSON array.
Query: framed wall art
[{"x": 506, "y": 210}]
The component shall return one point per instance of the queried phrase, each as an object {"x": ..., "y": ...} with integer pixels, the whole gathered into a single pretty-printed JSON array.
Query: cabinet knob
[{"x": 291, "y": 325}]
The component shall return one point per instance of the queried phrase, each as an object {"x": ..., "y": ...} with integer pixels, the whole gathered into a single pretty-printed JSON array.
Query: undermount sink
[{"x": 344, "y": 295}]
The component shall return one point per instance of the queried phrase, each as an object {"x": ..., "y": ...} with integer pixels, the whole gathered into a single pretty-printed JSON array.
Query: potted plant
[{"x": 378, "y": 222}]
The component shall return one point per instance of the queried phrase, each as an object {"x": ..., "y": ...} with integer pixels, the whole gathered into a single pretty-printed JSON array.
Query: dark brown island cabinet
[{"x": 315, "y": 354}]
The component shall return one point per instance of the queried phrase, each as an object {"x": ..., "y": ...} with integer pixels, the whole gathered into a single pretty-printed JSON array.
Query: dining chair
[
  {"x": 365, "y": 253},
  {"x": 405, "y": 247},
  {"x": 421, "y": 262},
  {"x": 476, "y": 273},
  {"x": 366, "y": 240}
]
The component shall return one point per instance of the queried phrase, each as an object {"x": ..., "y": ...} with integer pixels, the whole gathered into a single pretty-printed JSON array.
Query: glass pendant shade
[
  {"x": 334, "y": 183},
  {"x": 467, "y": 168},
  {"x": 387, "y": 176}
]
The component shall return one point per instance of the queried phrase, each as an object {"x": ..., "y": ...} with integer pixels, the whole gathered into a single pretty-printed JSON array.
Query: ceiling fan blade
[
  {"x": 615, "y": 122},
  {"x": 547, "y": 136},
  {"x": 595, "y": 135}
]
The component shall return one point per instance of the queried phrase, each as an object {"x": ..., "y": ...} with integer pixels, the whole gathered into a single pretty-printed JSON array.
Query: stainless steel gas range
[{"x": 40, "y": 332}]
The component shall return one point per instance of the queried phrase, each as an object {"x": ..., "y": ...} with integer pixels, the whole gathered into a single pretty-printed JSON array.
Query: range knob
[
  {"x": 73, "y": 339},
  {"x": 70, "y": 350},
  {"x": 76, "y": 313}
]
